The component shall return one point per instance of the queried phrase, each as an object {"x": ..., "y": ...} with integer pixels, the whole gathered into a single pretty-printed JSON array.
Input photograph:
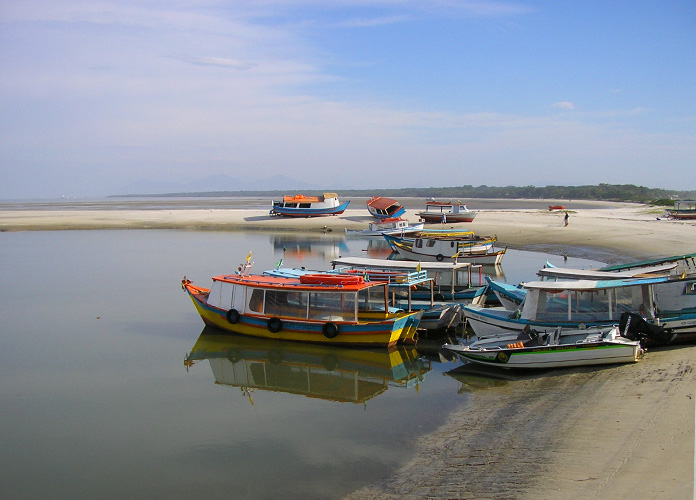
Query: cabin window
[
  {"x": 419, "y": 243},
  {"x": 690, "y": 288},
  {"x": 600, "y": 305},
  {"x": 286, "y": 303},
  {"x": 291, "y": 205},
  {"x": 430, "y": 243},
  {"x": 371, "y": 299},
  {"x": 256, "y": 301},
  {"x": 305, "y": 205},
  {"x": 332, "y": 306}
]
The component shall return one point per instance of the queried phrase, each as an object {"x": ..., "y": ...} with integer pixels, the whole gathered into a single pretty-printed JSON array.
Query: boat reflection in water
[
  {"x": 327, "y": 372},
  {"x": 325, "y": 246}
]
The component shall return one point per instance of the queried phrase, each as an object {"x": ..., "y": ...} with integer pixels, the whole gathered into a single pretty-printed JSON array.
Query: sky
[{"x": 97, "y": 97}]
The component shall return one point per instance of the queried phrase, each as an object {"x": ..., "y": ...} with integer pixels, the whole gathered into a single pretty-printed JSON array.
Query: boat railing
[{"x": 393, "y": 278}]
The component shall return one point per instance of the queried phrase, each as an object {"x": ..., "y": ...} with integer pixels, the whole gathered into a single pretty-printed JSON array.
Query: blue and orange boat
[
  {"x": 326, "y": 308},
  {"x": 300, "y": 205}
]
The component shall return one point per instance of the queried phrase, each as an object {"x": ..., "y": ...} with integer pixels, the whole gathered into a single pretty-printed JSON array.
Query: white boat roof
[
  {"x": 399, "y": 264},
  {"x": 596, "y": 274},
  {"x": 588, "y": 285}
]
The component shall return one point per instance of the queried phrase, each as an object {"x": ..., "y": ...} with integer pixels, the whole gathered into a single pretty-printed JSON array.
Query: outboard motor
[{"x": 634, "y": 327}]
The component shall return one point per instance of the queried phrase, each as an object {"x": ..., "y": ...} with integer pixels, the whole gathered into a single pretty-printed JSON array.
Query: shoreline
[
  {"x": 618, "y": 432},
  {"x": 616, "y": 233}
]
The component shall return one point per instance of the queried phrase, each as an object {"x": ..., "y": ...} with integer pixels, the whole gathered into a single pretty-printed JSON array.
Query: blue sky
[{"x": 98, "y": 95}]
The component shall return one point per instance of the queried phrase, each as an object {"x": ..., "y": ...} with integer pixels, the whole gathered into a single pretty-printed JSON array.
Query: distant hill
[
  {"x": 214, "y": 183},
  {"x": 279, "y": 185}
]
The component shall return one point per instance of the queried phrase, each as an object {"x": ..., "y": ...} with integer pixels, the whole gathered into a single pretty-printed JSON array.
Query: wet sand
[{"x": 614, "y": 432}]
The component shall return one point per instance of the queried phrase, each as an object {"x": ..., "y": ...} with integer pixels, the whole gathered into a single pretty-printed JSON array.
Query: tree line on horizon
[{"x": 599, "y": 192}]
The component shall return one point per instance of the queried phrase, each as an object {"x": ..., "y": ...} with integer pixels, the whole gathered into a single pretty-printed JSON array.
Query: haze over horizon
[{"x": 99, "y": 97}]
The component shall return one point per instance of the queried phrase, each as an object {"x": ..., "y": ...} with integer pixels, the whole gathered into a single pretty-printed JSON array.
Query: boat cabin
[
  {"x": 309, "y": 297},
  {"x": 586, "y": 301}
]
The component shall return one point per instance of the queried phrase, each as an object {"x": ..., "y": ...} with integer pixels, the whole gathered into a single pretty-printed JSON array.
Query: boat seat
[{"x": 555, "y": 336}]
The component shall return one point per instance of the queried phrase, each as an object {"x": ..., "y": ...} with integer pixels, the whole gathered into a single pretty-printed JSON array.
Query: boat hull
[
  {"x": 309, "y": 212},
  {"x": 385, "y": 332},
  {"x": 553, "y": 356},
  {"x": 484, "y": 258},
  {"x": 396, "y": 213},
  {"x": 449, "y": 218}
]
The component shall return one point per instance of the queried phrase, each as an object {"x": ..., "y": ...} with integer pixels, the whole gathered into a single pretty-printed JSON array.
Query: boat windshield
[
  {"x": 371, "y": 299},
  {"x": 599, "y": 305}
]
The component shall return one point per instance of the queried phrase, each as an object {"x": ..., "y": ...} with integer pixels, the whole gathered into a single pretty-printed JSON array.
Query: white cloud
[{"x": 564, "y": 105}]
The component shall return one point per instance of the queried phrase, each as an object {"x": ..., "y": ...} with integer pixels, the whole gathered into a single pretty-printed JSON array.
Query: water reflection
[
  {"x": 473, "y": 377},
  {"x": 299, "y": 247},
  {"x": 326, "y": 372}
]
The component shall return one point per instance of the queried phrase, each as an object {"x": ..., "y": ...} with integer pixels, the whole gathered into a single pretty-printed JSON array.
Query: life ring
[
  {"x": 233, "y": 317},
  {"x": 330, "y": 330},
  {"x": 274, "y": 325},
  {"x": 439, "y": 257}
]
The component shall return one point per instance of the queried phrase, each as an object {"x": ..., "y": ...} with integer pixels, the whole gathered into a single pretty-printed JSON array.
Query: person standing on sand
[{"x": 565, "y": 220}]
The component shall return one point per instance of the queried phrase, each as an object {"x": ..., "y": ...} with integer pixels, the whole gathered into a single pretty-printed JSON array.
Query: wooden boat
[
  {"x": 553, "y": 350},
  {"x": 329, "y": 372},
  {"x": 308, "y": 206},
  {"x": 388, "y": 226},
  {"x": 437, "y": 249},
  {"x": 445, "y": 244},
  {"x": 326, "y": 308},
  {"x": 548, "y": 305},
  {"x": 405, "y": 285},
  {"x": 450, "y": 286},
  {"x": 509, "y": 296},
  {"x": 686, "y": 263},
  {"x": 384, "y": 208},
  {"x": 452, "y": 282},
  {"x": 438, "y": 211},
  {"x": 683, "y": 210},
  {"x": 556, "y": 207}
]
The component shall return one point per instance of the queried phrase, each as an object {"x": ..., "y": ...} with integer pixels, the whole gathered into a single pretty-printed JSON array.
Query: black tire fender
[
  {"x": 233, "y": 316},
  {"x": 330, "y": 330},
  {"x": 274, "y": 325},
  {"x": 439, "y": 257}
]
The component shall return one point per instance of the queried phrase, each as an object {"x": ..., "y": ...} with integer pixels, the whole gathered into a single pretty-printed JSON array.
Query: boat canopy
[
  {"x": 381, "y": 203},
  {"x": 399, "y": 264},
  {"x": 651, "y": 262},
  {"x": 590, "y": 285},
  {"x": 560, "y": 272}
]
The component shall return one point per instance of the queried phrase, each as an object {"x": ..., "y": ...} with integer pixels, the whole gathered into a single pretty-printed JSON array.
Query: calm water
[{"x": 96, "y": 399}]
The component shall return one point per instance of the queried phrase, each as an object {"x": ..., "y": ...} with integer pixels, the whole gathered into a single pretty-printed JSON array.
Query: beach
[{"x": 614, "y": 432}]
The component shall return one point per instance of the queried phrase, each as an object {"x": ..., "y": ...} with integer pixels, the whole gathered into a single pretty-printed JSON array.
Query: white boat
[
  {"x": 438, "y": 211},
  {"x": 387, "y": 226},
  {"x": 308, "y": 206},
  {"x": 589, "y": 303},
  {"x": 452, "y": 281},
  {"x": 476, "y": 250},
  {"x": 553, "y": 350}
]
